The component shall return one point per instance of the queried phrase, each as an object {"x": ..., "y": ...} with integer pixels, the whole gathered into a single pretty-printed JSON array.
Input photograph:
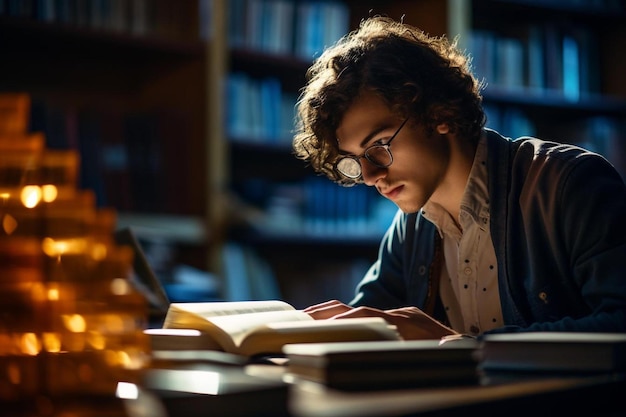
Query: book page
[
  {"x": 271, "y": 337},
  {"x": 238, "y": 326},
  {"x": 201, "y": 316},
  {"x": 223, "y": 308},
  {"x": 180, "y": 339}
]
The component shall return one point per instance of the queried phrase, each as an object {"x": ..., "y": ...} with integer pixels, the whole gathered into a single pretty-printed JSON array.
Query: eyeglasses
[{"x": 378, "y": 155}]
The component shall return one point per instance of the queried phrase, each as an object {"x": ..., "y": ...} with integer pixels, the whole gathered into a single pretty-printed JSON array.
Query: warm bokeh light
[
  {"x": 70, "y": 313},
  {"x": 51, "y": 342},
  {"x": 120, "y": 286},
  {"x": 30, "y": 196},
  {"x": 9, "y": 224},
  {"x": 74, "y": 323},
  {"x": 49, "y": 193},
  {"x": 29, "y": 344},
  {"x": 132, "y": 358},
  {"x": 114, "y": 323},
  {"x": 54, "y": 248},
  {"x": 53, "y": 294},
  {"x": 98, "y": 251},
  {"x": 117, "y": 358},
  {"x": 96, "y": 340},
  {"x": 39, "y": 292}
]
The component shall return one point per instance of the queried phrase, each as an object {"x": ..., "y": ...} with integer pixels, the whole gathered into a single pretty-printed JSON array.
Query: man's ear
[{"x": 443, "y": 128}]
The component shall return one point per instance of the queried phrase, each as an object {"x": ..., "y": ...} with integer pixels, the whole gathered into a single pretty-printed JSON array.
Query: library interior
[{"x": 146, "y": 162}]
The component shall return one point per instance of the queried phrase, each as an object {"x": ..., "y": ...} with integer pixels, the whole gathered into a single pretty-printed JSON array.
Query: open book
[{"x": 252, "y": 328}]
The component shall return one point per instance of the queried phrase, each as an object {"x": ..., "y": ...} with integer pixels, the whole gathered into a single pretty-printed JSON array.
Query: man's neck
[{"x": 451, "y": 190}]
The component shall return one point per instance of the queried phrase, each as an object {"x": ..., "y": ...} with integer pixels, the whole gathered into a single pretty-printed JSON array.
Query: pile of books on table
[{"x": 72, "y": 323}]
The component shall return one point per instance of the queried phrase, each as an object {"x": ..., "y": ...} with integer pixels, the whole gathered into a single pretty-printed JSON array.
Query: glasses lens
[
  {"x": 379, "y": 155},
  {"x": 349, "y": 167}
]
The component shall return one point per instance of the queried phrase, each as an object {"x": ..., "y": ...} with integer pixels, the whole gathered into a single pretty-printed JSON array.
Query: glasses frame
[{"x": 357, "y": 158}]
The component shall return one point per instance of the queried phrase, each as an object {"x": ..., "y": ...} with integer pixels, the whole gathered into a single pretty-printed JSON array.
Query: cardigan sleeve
[
  {"x": 400, "y": 276},
  {"x": 383, "y": 284}
]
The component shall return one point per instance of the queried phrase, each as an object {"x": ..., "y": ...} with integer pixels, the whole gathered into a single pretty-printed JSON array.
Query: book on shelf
[
  {"x": 536, "y": 58},
  {"x": 319, "y": 24},
  {"x": 254, "y": 328},
  {"x": 548, "y": 60},
  {"x": 571, "y": 68},
  {"x": 554, "y": 352},
  {"x": 382, "y": 364}
]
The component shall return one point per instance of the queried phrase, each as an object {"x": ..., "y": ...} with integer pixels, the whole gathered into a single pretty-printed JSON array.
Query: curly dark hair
[{"x": 426, "y": 78}]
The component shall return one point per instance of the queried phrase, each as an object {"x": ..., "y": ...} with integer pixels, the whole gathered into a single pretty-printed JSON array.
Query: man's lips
[{"x": 391, "y": 193}]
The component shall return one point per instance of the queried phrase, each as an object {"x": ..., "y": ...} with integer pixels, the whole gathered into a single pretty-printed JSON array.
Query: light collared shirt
[{"x": 469, "y": 276}]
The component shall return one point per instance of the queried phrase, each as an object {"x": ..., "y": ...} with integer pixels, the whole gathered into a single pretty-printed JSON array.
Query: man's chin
[{"x": 407, "y": 208}]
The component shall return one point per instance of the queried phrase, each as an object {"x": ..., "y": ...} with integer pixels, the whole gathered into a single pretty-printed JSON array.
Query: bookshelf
[{"x": 563, "y": 69}]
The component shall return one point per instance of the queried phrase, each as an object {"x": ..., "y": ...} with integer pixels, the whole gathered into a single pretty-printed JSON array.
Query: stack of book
[
  {"x": 553, "y": 352},
  {"x": 493, "y": 359},
  {"x": 375, "y": 365},
  {"x": 72, "y": 323}
]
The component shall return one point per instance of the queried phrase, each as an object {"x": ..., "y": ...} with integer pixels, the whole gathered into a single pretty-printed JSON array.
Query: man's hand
[{"x": 411, "y": 322}]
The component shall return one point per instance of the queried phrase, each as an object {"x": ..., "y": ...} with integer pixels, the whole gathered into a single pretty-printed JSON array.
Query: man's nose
[{"x": 371, "y": 173}]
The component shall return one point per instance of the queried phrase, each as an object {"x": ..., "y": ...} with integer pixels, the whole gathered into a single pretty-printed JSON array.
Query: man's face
[{"x": 420, "y": 161}]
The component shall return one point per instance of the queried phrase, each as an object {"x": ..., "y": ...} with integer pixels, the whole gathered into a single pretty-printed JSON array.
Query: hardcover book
[
  {"x": 554, "y": 351},
  {"x": 382, "y": 364}
]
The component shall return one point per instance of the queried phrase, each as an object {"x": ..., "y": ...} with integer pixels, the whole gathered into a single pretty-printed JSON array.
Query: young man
[{"x": 492, "y": 234}]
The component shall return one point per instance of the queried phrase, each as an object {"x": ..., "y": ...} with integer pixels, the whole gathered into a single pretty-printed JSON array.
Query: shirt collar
[{"x": 474, "y": 202}]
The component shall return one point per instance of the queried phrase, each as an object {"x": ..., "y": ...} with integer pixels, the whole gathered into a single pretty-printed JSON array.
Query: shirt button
[{"x": 468, "y": 271}]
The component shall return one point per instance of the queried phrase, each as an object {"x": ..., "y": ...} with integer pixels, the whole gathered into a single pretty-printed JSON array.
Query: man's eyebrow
[
  {"x": 372, "y": 134},
  {"x": 367, "y": 138}
]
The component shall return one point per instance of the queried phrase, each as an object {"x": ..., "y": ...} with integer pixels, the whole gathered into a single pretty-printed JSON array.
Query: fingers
[
  {"x": 406, "y": 311},
  {"x": 327, "y": 310},
  {"x": 411, "y": 322},
  {"x": 322, "y": 305},
  {"x": 361, "y": 312},
  {"x": 408, "y": 322}
]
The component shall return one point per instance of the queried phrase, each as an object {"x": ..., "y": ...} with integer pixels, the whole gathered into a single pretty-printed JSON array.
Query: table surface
[
  {"x": 535, "y": 397},
  {"x": 205, "y": 389},
  {"x": 511, "y": 395}
]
